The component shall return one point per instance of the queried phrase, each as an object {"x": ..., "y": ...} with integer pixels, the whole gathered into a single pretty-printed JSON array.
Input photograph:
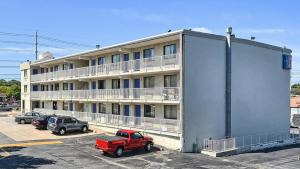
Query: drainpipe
[{"x": 229, "y": 37}]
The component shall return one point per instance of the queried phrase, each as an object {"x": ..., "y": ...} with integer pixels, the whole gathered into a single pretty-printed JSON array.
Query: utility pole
[{"x": 36, "y": 45}]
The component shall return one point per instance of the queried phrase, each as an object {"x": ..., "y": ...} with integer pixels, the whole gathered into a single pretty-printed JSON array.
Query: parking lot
[{"x": 23, "y": 146}]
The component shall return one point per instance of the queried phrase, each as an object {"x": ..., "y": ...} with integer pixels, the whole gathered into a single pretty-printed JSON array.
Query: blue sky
[{"x": 107, "y": 22}]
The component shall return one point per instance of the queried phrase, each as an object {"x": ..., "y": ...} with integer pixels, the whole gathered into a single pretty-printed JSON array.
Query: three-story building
[{"x": 172, "y": 86}]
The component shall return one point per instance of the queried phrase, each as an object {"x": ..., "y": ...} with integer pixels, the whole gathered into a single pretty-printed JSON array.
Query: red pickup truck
[{"x": 123, "y": 141}]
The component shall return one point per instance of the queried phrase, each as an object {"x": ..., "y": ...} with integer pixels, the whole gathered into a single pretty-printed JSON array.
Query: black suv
[{"x": 63, "y": 124}]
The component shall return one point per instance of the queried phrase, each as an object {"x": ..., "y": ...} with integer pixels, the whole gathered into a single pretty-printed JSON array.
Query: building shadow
[{"x": 21, "y": 161}]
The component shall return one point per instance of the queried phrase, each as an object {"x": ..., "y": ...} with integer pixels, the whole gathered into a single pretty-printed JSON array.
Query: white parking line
[{"x": 111, "y": 162}]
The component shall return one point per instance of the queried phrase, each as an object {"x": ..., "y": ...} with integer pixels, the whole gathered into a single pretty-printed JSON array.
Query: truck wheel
[
  {"x": 84, "y": 129},
  {"x": 119, "y": 152},
  {"x": 22, "y": 121},
  {"x": 62, "y": 131},
  {"x": 148, "y": 147}
]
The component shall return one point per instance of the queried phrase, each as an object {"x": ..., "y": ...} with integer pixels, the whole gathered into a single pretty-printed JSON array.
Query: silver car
[{"x": 63, "y": 124}]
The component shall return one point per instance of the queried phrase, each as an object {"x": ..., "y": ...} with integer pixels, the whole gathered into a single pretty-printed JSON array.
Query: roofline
[
  {"x": 181, "y": 31},
  {"x": 113, "y": 46}
]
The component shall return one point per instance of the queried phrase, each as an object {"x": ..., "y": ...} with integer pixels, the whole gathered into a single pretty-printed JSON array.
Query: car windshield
[
  {"x": 43, "y": 117},
  {"x": 52, "y": 120}
]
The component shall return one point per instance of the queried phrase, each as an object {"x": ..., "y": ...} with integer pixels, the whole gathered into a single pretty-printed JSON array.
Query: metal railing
[
  {"x": 163, "y": 126},
  {"x": 160, "y": 94},
  {"x": 250, "y": 143},
  {"x": 143, "y": 64},
  {"x": 219, "y": 145}
]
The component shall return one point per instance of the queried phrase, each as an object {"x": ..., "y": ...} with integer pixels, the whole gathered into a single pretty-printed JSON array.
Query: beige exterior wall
[{"x": 25, "y": 83}]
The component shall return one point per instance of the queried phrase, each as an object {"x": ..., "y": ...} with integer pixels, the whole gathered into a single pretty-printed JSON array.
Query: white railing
[
  {"x": 144, "y": 64},
  {"x": 219, "y": 145},
  {"x": 159, "y": 94},
  {"x": 163, "y": 126},
  {"x": 251, "y": 142}
]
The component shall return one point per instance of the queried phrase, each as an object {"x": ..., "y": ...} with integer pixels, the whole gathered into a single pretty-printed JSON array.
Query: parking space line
[
  {"x": 30, "y": 144},
  {"x": 111, "y": 162}
]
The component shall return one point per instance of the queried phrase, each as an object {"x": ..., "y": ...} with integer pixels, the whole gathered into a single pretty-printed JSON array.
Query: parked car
[
  {"x": 42, "y": 121},
  {"x": 63, "y": 124},
  {"x": 27, "y": 117},
  {"x": 124, "y": 140},
  {"x": 5, "y": 107}
]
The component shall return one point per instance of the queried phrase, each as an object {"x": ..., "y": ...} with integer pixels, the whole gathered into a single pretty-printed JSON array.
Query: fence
[
  {"x": 163, "y": 126},
  {"x": 251, "y": 142}
]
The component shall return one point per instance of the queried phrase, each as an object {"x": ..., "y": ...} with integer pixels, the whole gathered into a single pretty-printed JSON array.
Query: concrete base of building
[
  {"x": 220, "y": 154},
  {"x": 169, "y": 142}
]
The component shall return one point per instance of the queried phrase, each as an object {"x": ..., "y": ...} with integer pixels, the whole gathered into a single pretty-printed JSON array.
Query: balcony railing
[
  {"x": 159, "y": 94},
  {"x": 144, "y": 64},
  {"x": 163, "y": 126}
]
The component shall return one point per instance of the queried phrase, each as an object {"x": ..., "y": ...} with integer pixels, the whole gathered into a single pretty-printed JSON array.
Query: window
[
  {"x": 35, "y": 88},
  {"x": 122, "y": 134},
  {"x": 148, "y": 53},
  {"x": 169, "y": 50},
  {"x": 28, "y": 114},
  {"x": 42, "y": 87},
  {"x": 116, "y": 108},
  {"x": 115, "y": 58},
  {"x": 65, "y": 86},
  {"x": 51, "y": 88},
  {"x": 67, "y": 120},
  {"x": 71, "y": 106},
  {"x": 102, "y": 108},
  {"x": 149, "y": 111},
  {"x": 93, "y": 62},
  {"x": 51, "y": 69},
  {"x": 71, "y": 65},
  {"x": 170, "y": 112},
  {"x": 65, "y": 66},
  {"x": 23, "y": 105},
  {"x": 115, "y": 84},
  {"x": 65, "y": 106},
  {"x": 149, "y": 82},
  {"x": 25, "y": 73},
  {"x": 170, "y": 81},
  {"x": 43, "y": 105},
  {"x": 136, "y": 135},
  {"x": 25, "y": 88},
  {"x": 56, "y": 87},
  {"x": 55, "y": 68},
  {"x": 34, "y": 71},
  {"x": 101, "y": 60},
  {"x": 42, "y": 70},
  {"x": 101, "y": 84}
]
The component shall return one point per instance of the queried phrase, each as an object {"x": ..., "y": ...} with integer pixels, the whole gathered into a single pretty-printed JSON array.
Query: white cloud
[{"x": 202, "y": 29}]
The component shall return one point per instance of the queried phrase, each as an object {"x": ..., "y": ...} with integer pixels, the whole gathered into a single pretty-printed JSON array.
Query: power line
[
  {"x": 17, "y": 42},
  {"x": 11, "y": 60},
  {"x": 9, "y": 66},
  {"x": 15, "y": 34},
  {"x": 45, "y": 38},
  {"x": 63, "y": 41},
  {"x": 9, "y": 74},
  {"x": 17, "y": 50}
]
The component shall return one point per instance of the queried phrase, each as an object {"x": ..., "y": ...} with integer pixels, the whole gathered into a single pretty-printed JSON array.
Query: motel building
[{"x": 181, "y": 87}]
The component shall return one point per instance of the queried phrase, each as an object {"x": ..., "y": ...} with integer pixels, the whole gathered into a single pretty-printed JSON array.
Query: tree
[
  {"x": 11, "y": 88},
  {"x": 295, "y": 89}
]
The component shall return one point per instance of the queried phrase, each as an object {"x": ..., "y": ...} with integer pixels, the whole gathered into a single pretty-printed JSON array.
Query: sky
[{"x": 92, "y": 22}]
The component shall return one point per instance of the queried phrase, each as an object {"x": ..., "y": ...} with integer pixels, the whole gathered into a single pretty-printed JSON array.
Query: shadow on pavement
[
  {"x": 20, "y": 161},
  {"x": 133, "y": 153},
  {"x": 12, "y": 149},
  {"x": 268, "y": 150}
]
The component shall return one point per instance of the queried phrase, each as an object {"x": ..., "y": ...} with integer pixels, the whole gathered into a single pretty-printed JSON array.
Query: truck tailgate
[{"x": 102, "y": 141}]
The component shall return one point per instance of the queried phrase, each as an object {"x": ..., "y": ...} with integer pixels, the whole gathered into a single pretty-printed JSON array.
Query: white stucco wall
[
  {"x": 260, "y": 91},
  {"x": 204, "y": 90}
]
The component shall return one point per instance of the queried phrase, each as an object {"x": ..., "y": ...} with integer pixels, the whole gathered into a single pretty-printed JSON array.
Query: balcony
[
  {"x": 144, "y": 94},
  {"x": 154, "y": 125},
  {"x": 159, "y": 63}
]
